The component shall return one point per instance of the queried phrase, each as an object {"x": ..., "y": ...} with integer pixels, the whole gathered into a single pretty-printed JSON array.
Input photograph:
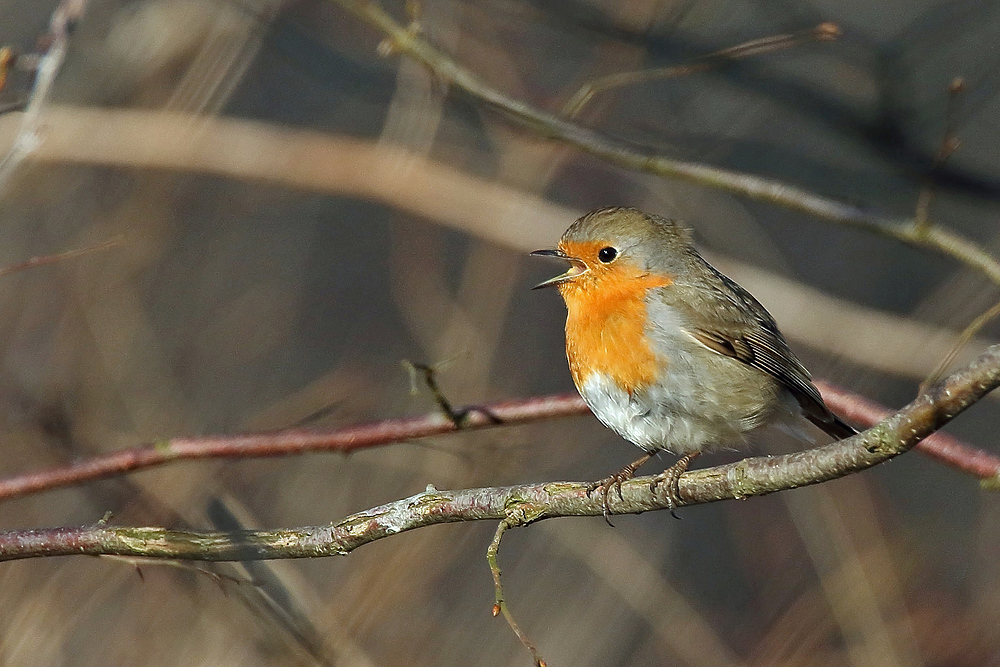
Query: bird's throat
[{"x": 606, "y": 331}]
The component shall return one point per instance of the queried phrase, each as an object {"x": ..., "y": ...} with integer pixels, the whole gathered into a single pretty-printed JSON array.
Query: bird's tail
[{"x": 833, "y": 425}]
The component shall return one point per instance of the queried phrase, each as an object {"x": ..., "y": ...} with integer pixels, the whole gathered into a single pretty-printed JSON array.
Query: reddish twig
[
  {"x": 859, "y": 410},
  {"x": 285, "y": 443},
  {"x": 42, "y": 260},
  {"x": 940, "y": 446}
]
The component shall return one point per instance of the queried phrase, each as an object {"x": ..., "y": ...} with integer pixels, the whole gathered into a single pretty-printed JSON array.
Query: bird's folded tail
[{"x": 832, "y": 425}]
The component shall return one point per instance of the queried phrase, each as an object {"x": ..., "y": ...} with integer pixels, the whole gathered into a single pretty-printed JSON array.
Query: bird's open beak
[{"x": 578, "y": 267}]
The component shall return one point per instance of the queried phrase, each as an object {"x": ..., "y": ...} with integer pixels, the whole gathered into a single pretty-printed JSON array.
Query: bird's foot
[
  {"x": 672, "y": 476},
  {"x": 615, "y": 481}
]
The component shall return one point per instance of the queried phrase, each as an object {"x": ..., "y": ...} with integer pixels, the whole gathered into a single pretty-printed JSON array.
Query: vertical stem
[{"x": 501, "y": 606}]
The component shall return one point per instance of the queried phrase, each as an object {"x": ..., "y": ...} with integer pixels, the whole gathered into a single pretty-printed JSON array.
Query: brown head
[{"x": 614, "y": 248}]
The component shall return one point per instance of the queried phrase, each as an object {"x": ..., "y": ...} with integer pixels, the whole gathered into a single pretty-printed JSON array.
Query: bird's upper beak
[{"x": 578, "y": 267}]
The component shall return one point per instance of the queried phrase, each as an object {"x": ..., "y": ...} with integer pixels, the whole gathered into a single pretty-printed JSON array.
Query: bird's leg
[
  {"x": 671, "y": 476},
  {"x": 616, "y": 480}
]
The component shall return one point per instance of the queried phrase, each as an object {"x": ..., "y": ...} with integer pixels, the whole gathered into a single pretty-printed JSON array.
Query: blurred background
[{"x": 344, "y": 211}]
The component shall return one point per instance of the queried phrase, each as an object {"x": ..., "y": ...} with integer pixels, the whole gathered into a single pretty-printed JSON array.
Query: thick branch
[
  {"x": 519, "y": 505},
  {"x": 550, "y": 126}
]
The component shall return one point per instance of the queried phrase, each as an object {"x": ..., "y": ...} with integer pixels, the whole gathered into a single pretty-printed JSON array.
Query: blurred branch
[
  {"x": 448, "y": 196},
  {"x": 521, "y": 505},
  {"x": 576, "y": 103},
  {"x": 294, "y": 158},
  {"x": 949, "y": 144},
  {"x": 7, "y": 59},
  {"x": 634, "y": 580},
  {"x": 42, "y": 260},
  {"x": 880, "y": 340},
  {"x": 547, "y": 125},
  {"x": 61, "y": 25},
  {"x": 942, "y": 447}
]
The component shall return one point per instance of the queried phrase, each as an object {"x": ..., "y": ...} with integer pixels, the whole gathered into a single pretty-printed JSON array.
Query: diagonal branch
[
  {"x": 551, "y": 126},
  {"x": 520, "y": 505}
]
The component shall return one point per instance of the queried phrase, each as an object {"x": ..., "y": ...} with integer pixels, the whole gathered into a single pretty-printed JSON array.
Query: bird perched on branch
[{"x": 668, "y": 352}]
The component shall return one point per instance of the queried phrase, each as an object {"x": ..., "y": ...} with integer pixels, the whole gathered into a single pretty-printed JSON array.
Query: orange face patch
[{"x": 606, "y": 321}]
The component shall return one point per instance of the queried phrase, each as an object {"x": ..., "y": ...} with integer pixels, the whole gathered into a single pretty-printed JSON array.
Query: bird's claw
[
  {"x": 606, "y": 484},
  {"x": 612, "y": 481},
  {"x": 615, "y": 481},
  {"x": 672, "y": 476}
]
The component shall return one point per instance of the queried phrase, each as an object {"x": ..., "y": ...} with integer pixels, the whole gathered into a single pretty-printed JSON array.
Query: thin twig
[
  {"x": 949, "y": 144},
  {"x": 582, "y": 97},
  {"x": 550, "y": 126},
  {"x": 500, "y": 607},
  {"x": 942, "y": 447},
  {"x": 42, "y": 260},
  {"x": 289, "y": 442},
  {"x": 531, "y": 502},
  {"x": 963, "y": 339},
  {"x": 458, "y": 416}
]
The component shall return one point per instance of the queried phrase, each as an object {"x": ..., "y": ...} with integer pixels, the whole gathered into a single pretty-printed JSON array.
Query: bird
[{"x": 668, "y": 352}]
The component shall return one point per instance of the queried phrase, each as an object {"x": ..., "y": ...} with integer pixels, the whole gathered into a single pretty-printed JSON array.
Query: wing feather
[{"x": 743, "y": 330}]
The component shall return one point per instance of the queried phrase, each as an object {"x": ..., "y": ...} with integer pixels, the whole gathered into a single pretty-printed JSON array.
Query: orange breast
[{"x": 606, "y": 327}]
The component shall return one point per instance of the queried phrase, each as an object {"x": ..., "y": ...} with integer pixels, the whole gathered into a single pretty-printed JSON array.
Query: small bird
[{"x": 667, "y": 351}]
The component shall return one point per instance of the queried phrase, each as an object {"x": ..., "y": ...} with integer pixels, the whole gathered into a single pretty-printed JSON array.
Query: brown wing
[{"x": 745, "y": 331}]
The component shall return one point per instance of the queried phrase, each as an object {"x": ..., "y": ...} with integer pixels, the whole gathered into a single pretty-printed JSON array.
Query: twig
[
  {"x": 550, "y": 126},
  {"x": 42, "y": 260},
  {"x": 61, "y": 25},
  {"x": 500, "y": 607},
  {"x": 582, "y": 97},
  {"x": 944, "y": 448},
  {"x": 531, "y": 502},
  {"x": 284, "y": 443},
  {"x": 430, "y": 379},
  {"x": 457, "y": 416},
  {"x": 963, "y": 339},
  {"x": 941, "y": 447}
]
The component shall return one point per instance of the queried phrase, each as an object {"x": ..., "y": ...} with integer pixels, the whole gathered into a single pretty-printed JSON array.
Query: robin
[{"x": 667, "y": 351}]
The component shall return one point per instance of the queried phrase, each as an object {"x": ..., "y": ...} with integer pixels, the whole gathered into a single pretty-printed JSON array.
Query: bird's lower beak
[{"x": 575, "y": 270}]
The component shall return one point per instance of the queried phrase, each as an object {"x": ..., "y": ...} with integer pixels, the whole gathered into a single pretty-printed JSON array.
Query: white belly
[{"x": 677, "y": 416}]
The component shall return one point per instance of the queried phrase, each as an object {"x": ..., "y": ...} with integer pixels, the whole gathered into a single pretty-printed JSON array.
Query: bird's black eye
[{"x": 607, "y": 255}]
